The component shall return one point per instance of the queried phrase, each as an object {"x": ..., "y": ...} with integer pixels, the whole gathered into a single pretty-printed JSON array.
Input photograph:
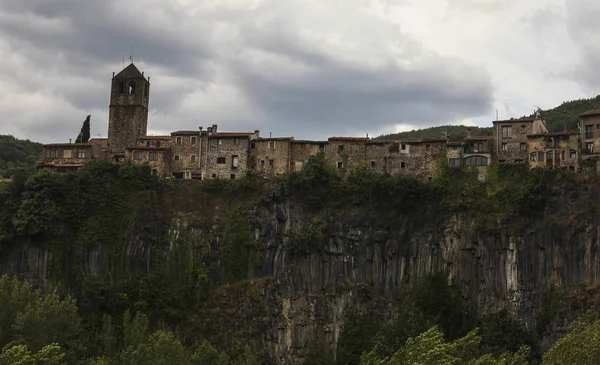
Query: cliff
[{"x": 310, "y": 267}]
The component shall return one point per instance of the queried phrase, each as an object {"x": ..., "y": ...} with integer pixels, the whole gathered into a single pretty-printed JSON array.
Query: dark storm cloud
[{"x": 296, "y": 84}]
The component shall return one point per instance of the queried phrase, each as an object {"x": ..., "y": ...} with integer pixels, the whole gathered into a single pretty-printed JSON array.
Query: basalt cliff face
[{"x": 362, "y": 262}]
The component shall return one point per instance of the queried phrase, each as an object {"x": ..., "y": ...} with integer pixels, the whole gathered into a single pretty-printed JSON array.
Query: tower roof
[{"x": 131, "y": 72}]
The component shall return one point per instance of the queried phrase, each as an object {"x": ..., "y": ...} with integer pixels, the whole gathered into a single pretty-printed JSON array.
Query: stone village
[{"x": 212, "y": 154}]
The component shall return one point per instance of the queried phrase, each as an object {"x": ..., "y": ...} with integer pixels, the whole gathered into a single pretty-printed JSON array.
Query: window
[
  {"x": 589, "y": 147},
  {"x": 427, "y": 146},
  {"x": 157, "y": 143},
  {"x": 519, "y": 162},
  {"x": 372, "y": 164},
  {"x": 504, "y": 147},
  {"x": 221, "y": 160},
  {"x": 262, "y": 162},
  {"x": 153, "y": 156},
  {"x": 132, "y": 88},
  {"x": 549, "y": 156},
  {"x": 479, "y": 147},
  {"x": 271, "y": 163},
  {"x": 193, "y": 140},
  {"x": 589, "y": 131},
  {"x": 340, "y": 164},
  {"x": 541, "y": 156},
  {"x": 176, "y": 157},
  {"x": 403, "y": 146},
  {"x": 340, "y": 148},
  {"x": 523, "y": 146},
  {"x": 597, "y": 126},
  {"x": 533, "y": 156},
  {"x": 271, "y": 145},
  {"x": 506, "y": 131},
  {"x": 476, "y": 161},
  {"x": 394, "y": 148},
  {"x": 236, "y": 141},
  {"x": 154, "y": 172},
  {"x": 302, "y": 146},
  {"x": 523, "y": 128},
  {"x": 454, "y": 162},
  {"x": 137, "y": 155},
  {"x": 53, "y": 154},
  {"x": 430, "y": 179},
  {"x": 192, "y": 158},
  {"x": 573, "y": 154},
  {"x": 252, "y": 145},
  {"x": 562, "y": 155},
  {"x": 178, "y": 140},
  {"x": 81, "y": 154},
  {"x": 67, "y": 153},
  {"x": 234, "y": 162},
  {"x": 214, "y": 176},
  {"x": 232, "y": 176},
  {"x": 502, "y": 161},
  {"x": 321, "y": 147},
  {"x": 220, "y": 142},
  {"x": 147, "y": 143},
  {"x": 402, "y": 164}
]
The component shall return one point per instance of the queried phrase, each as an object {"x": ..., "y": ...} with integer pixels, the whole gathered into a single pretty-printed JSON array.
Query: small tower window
[
  {"x": 131, "y": 87},
  {"x": 121, "y": 87}
]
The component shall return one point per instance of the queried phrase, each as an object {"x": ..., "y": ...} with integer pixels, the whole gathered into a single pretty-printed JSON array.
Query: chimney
[
  {"x": 565, "y": 130},
  {"x": 70, "y": 140},
  {"x": 257, "y": 132},
  {"x": 468, "y": 132},
  {"x": 214, "y": 128}
]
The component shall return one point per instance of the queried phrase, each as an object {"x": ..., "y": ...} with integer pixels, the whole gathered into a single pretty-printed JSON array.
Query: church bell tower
[{"x": 128, "y": 111}]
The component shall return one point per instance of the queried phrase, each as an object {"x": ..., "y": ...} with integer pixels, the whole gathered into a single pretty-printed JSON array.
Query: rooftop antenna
[{"x": 496, "y": 115}]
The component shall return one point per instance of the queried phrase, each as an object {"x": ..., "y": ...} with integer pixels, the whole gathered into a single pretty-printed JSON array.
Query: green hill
[
  {"x": 18, "y": 155},
  {"x": 566, "y": 114}
]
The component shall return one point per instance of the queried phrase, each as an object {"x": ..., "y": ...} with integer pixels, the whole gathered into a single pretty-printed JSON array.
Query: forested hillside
[
  {"x": 564, "y": 115},
  {"x": 17, "y": 155}
]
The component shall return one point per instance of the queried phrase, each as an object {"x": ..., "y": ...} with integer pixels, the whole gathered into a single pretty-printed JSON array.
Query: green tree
[
  {"x": 21, "y": 355},
  {"x": 84, "y": 134},
  {"x": 236, "y": 244},
  {"x": 580, "y": 346}
]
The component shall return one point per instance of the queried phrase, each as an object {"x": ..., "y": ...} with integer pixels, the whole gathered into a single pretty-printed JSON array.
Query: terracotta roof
[
  {"x": 232, "y": 134},
  {"x": 194, "y": 133},
  {"x": 309, "y": 142},
  {"x": 68, "y": 145},
  {"x": 130, "y": 72},
  {"x": 518, "y": 120},
  {"x": 275, "y": 139},
  {"x": 590, "y": 113},
  {"x": 156, "y": 137},
  {"x": 350, "y": 139}
]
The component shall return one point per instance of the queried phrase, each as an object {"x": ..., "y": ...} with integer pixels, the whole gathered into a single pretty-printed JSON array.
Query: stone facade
[
  {"x": 186, "y": 154},
  {"x": 270, "y": 156},
  {"x": 128, "y": 110},
  {"x": 302, "y": 151},
  {"x": 511, "y": 136},
  {"x": 554, "y": 150},
  {"x": 227, "y": 155},
  {"x": 66, "y": 157},
  {"x": 153, "y": 151},
  {"x": 590, "y": 133},
  {"x": 345, "y": 152}
]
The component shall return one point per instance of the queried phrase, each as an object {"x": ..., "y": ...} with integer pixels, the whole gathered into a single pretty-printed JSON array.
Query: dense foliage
[{"x": 18, "y": 156}]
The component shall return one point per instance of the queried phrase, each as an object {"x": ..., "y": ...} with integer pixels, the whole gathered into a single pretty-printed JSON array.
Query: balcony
[{"x": 589, "y": 135}]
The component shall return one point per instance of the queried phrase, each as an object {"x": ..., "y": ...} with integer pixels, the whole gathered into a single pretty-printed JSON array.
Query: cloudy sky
[{"x": 308, "y": 68}]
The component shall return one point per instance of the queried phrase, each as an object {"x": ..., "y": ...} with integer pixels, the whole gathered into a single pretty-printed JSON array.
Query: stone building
[
  {"x": 128, "y": 110},
  {"x": 511, "y": 138},
  {"x": 69, "y": 157},
  {"x": 346, "y": 152},
  {"x": 590, "y": 133},
  {"x": 270, "y": 156},
  {"x": 554, "y": 150},
  {"x": 387, "y": 157},
  {"x": 227, "y": 154},
  {"x": 302, "y": 151},
  {"x": 153, "y": 151},
  {"x": 187, "y": 155}
]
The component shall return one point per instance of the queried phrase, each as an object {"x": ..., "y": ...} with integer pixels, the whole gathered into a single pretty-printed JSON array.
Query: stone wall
[
  {"x": 185, "y": 154},
  {"x": 221, "y": 153},
  {"x": 563, "y": 148},
  {"x": 270, "y": 156},
  {"x": 302, "y": 151},
  {"x": 158, "y": 158},
  {"x": 345, "y": 153},
  {"x": 593, "y": 123}
]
